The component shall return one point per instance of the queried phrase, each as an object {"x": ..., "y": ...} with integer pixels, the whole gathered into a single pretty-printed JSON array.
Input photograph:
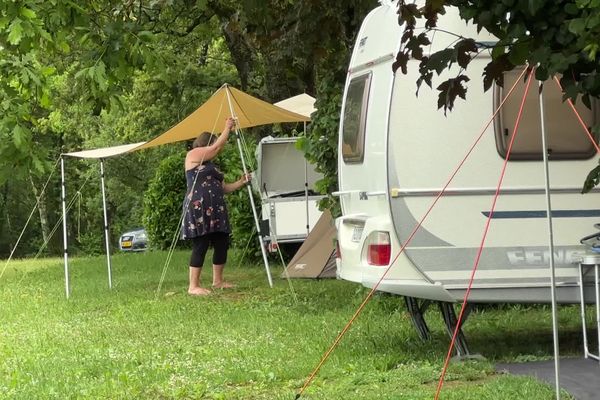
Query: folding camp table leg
[{"x": 587, "y": 263}]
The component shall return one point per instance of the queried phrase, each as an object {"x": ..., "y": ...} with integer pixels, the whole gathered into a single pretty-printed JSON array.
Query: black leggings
[{"x": 220, "y": 244}]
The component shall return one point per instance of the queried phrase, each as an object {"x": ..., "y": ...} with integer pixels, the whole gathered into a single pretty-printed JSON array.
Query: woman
[{"x": 206, "y": 221}]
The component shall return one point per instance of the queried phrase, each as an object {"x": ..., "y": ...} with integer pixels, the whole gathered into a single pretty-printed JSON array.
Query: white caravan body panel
[{"x": 416, "y": 148}]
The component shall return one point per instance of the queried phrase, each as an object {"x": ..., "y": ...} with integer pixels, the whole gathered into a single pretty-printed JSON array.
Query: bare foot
[
  {"x": 198, "y": 291},
  {"x": 223, "y": 285}
]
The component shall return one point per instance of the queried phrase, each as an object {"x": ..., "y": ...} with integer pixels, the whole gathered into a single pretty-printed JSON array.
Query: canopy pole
[
  {"x": 106, "y": 233},
  {"x": 551, "y": 248},
  {"x": 64, "y": 212},
  {"x": 306, "y": 188},
  {"x": 260, "y": 239}
]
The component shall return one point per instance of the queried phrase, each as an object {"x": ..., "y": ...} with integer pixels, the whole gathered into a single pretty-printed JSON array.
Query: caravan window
[
  {"x": 565, "y": 137},
  {"x": 354, "y": 119}
]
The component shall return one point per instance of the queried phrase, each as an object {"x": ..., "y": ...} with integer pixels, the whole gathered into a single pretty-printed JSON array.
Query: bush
[
  {"x": 163, "y": 201},
  {"x": 319, "y": 144},
  {"x": 91, "y": 243}
]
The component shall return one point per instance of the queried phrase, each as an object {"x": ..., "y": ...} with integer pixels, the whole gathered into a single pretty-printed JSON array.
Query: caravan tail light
[{"x": 379, "y": 248}]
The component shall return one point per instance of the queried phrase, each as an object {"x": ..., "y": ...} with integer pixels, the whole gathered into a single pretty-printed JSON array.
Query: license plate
[
  {"x": 357, "y": 233},
  {"x": 126, "y": 244}
]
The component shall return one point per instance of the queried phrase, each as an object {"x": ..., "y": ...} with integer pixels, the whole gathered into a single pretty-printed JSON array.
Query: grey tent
[{"x": 316, "y": 257}]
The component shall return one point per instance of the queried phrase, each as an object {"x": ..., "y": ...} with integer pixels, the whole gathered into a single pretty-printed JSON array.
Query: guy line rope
[
  {"x": 337, "y": 340},
  {"x": 458, "y": 324},
  {"x": 29, "y": 218},
  {"x": 76, "y": 196},
  {"x": 484, "y": 236}
]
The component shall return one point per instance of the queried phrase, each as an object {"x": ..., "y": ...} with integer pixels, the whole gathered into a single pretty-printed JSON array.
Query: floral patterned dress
[{"x": 204, "y": 203}]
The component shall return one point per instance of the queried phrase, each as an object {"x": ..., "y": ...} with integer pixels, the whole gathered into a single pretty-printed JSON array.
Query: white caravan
[
  {"x": 396, "y": 153},
  {"x": 286, "y": 183}
]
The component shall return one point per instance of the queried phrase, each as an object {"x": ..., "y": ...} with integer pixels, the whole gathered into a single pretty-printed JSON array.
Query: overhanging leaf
[
  {"x": 15, "y": 32},
  {"x": 592, "y": 179},
  {"x": 464, "y": 48},
  {"x": 449, "y": 90},
  {"x": 440, "y": 60},
  {"x": 27, "y": 13}
]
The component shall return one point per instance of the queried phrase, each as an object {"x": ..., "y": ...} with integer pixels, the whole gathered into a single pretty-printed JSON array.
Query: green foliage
[
  {"x": 321, "y": 142},
  {"x": 592, "y": 180},
  {"x": 101, "y": 73},
  {"x": 307, "y": 48},
  {"x": 50, "y": 106},
  {"x": 559, "y": 37},
  {"x": 91, "y": 243},
  {"x": 163, "y": 202}
]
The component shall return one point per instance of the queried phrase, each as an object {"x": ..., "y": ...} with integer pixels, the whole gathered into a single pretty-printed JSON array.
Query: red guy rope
[
  {"x": 485, "y": 232},
  {"x": 410, "y": 237},
  {"x": 585, "y": 128}
]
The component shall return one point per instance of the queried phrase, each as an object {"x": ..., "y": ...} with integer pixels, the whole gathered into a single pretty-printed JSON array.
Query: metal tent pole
[
  {"x": 64, "y": 214},
  {"x": 306, "y": 188},
  {"x": 551, "y": 248},
  {"x": 106, "y": 240},
  {"x": 260, "y": 239}
]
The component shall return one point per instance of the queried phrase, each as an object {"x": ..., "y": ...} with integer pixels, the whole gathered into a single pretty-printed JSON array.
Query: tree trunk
[
  {"x": 8, "y": 230},
  {"x": 41, "y": 209},
  {"x": 241, "y": 53}
]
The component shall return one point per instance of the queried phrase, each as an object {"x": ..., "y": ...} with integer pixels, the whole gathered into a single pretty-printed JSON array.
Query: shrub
[
  {"x": 91, "y": 243},
  {"x": 319, "y": 144},
  {"x": 163, "y": 202}
]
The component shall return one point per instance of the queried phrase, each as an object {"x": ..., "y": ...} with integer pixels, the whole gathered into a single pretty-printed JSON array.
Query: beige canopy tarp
[
  {"x": 210, "y": 116},
  {"x": 302, "y": 104},
  {"x": 105, "y": 152}
]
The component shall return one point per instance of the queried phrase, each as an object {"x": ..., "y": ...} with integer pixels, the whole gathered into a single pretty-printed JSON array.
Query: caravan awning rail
[{"x": 397, "y": 192}]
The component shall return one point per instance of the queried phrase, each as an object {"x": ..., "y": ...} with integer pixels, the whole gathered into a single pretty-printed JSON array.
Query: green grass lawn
[{"x": 251, "y": 342}]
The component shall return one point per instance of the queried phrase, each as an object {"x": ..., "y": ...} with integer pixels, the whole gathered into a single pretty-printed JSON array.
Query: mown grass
[{"x": 252, "y": 342}]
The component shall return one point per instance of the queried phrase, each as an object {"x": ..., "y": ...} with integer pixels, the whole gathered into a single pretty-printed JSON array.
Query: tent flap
[{"x": 315, "y": 258}]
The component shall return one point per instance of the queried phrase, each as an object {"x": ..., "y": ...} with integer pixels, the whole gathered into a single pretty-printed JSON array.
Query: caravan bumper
[{"x": 412, "y": 288}]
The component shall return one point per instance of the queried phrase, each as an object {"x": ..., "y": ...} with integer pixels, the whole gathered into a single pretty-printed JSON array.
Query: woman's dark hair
[{"x": 204, "y": 139}]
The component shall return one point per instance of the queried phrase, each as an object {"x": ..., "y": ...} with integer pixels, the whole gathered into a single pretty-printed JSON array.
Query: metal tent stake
[
  {"x": 260, "y": 239},
  {"x": 551, "y": 248},
  {"x": 106, "y": 240},
  {"x": 64, "y": 214}
]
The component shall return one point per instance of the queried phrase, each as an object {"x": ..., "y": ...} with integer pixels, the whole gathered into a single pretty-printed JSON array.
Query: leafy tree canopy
[
  {"x": 98, "y": 73},
  {"x": 559, "y": 38},
  {"x": 99, "y": 44}
]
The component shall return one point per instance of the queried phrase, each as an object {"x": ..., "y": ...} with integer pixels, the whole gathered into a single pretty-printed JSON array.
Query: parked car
[{"x": 135, "y": 240}]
